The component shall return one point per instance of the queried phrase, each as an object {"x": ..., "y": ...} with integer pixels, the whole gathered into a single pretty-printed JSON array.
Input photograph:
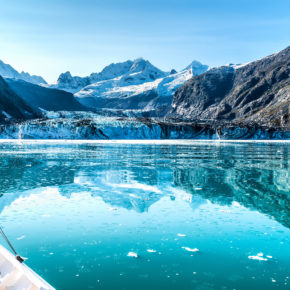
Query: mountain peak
[
  {"x": 112, "y": 71},
  {"x": 67, "y": 74},
  {"x": 140, "y": 64},
  {"x": 197, "y": 67}
]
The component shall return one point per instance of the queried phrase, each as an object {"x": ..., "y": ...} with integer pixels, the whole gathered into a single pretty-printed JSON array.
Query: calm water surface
[{"x": 199, "y": 215}]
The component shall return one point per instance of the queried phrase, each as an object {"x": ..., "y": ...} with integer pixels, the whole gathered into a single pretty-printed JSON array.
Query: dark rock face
[
  {"x": 203, "y": 91},
  {"x": 255, "y": 93},
  {"x": 44, "y": 98},
  {"x": 12, "y": 106}
]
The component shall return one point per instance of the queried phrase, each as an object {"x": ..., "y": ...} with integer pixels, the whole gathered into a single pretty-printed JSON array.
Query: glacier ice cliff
[{"x": 70, "y": 125}]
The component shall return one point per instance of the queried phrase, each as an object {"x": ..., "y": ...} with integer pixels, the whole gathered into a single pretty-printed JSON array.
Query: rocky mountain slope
[
  {"x": 43, "y": 98},
  {"x": 258, "y": 92},
  {"x": 12, "y": 106},
  {"x": 7, "y": 71}
]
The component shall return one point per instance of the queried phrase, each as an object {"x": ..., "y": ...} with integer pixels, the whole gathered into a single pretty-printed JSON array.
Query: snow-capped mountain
[
  {"x": 7, "y": 71},
  {"x": 144, "y": 88},
  {"x": 136, "y": 86},
  {"x": 69, "y": 83},
  {"x": 128, "y": 72}
]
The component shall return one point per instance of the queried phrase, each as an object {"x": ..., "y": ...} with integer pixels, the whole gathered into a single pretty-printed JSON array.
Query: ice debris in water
[
  {"x": 151, "y": 251},
  {"x": 260, "y": 257},
  {"x": 21, "y": 238},
  {"x": 181, "y": 235},
  {"x": 190, "y": 249},
  {"x": 132, "y": 254}
]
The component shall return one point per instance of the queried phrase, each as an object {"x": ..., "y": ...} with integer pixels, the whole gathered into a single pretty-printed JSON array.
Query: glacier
[{"x": 91, "y": 126}]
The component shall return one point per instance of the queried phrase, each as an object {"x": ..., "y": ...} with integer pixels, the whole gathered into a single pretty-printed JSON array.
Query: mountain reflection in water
[{"x": 137, "y": 176}]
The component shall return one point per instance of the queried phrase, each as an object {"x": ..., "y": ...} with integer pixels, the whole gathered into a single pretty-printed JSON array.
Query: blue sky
[{"x": 50, "y": 37}]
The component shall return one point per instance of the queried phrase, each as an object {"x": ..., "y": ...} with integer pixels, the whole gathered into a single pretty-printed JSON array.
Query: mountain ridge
[
  {"x": 12, "y": 106},
  {"x": 42, "y": 98},
  {"x": 258, "y": 92},
  {"x": 7, "y": 71}
]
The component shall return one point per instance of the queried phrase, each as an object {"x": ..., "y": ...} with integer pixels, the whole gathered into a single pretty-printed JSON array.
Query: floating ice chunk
[
  {"x": 151, "y": 251},
  {"x": 198, "y": 188},
  {"x": 257, "y": 257},
  {"x": 181, "y": 235},
  {"x": 269, "y": 257},
  {"x": 190, "y": 249},
  {"x": 21, "y": 238},
  {"x": 260, "y": 254},
  {"x": 132, "y": 254},
  {"x": 51, "y": 253}
]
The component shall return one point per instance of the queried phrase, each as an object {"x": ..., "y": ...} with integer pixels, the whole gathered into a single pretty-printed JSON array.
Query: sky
[{"x": 50, "y": 37}]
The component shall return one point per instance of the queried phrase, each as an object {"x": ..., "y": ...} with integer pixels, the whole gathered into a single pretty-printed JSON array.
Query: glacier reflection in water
[{"x": 198, "y": 216}]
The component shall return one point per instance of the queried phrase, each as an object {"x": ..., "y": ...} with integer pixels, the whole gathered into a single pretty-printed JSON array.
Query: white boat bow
[{"x": 17, "y": 276}]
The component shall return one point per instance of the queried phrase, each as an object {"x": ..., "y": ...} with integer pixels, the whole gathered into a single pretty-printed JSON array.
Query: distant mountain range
[
  {"x": 131, "y": 85},
  {"x": 254, "y": 94},
  {"x": 7, "y": 71}
]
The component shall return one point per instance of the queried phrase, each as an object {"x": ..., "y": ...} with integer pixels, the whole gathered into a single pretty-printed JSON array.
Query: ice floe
[
  {"x": 260, "y": 257},
  {"x": 151, "y": 251},
  {"x": 181, "y": 235},
  {"x": 190, "y": 249},
  {"x": 132, "y": 254}
]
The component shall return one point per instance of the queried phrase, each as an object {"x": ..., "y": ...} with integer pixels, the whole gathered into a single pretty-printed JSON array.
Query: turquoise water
[{"x": 199, "y": 215}]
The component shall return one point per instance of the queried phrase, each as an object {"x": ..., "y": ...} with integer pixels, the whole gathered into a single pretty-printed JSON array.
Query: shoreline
[{"x": 140, "y": 142}]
